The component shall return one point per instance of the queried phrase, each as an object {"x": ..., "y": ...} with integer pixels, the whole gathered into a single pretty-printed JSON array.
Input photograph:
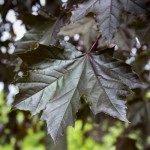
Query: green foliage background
[{"x": 76, "y": 137}]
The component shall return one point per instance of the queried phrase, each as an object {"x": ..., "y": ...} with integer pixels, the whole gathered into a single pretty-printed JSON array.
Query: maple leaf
[
  {"x": 141, "y": 25},
  {"x": 86, "y": 28},
  {"x": 138, "y": 106},
  {"x": 108, "y": 13},
  {"x": 125, "y": 38},
  {"x": 44, "y": 31},
  {"x": 58, "y": 77}
]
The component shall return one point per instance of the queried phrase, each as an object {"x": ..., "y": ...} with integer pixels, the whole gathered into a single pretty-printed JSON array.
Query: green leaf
[
  {"x": 57, "y": 78},
  {"x": 108, "y": 13}
]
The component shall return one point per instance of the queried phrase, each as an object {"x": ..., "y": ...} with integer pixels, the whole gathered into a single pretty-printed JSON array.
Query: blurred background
[{"x": 18, "y": 131}]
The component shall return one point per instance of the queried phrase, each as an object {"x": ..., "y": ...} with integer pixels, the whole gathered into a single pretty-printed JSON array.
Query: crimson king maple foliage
[{"x": 59, "y": 73}]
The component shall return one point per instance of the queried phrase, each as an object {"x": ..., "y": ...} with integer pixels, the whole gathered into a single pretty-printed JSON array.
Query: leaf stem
[{"x": 94, "y": 44}]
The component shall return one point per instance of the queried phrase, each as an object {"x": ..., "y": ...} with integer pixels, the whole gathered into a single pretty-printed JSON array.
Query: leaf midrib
[
  {"x": 69, "y": 102},
  {"x": 95, "y": 73}
]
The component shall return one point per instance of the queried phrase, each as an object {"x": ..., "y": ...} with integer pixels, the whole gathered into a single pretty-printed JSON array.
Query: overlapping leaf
[
  {"x": 57, "y": 78},
  {"x": 141, "y": 25},
  {"x": 44, "y": 32},
  {"x": 125, "y": 38},
  {"x": 108, "y": 13},
  {"x": 86, "y": 28},
  {"x": 138, "y": 106}
]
